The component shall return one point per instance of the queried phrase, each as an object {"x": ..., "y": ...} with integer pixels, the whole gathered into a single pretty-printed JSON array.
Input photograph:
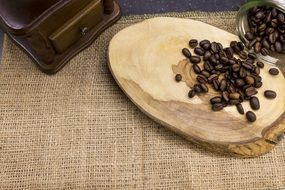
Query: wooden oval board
[{"x": 143, "y": 59}]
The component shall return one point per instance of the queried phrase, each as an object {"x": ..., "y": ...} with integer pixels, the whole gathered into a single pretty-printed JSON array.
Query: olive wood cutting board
[{"x": 144, "y": 58}]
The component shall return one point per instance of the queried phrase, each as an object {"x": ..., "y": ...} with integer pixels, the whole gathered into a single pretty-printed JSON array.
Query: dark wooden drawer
[{"x": 77, "y": 26}]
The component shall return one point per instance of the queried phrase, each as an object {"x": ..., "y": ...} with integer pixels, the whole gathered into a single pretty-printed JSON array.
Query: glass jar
[{"x": 243, "y": 27}]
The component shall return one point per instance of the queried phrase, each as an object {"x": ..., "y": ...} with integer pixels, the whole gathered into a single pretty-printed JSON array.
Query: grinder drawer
[{"x": 77, "y": 26}]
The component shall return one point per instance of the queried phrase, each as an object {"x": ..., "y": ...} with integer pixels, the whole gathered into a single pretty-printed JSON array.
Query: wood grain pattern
[{"x": 144, "y": 58}]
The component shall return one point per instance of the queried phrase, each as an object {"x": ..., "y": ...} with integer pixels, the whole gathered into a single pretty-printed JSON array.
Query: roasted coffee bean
[
  {"x": 193, "y": 43},
  {"x": 195, "y": 59},
  {"x": 215, "y": 72},
  {"x": 272, "y": 38},
  {"x": 216, "y": 99},
  {"x": 214, "y": 47},
  {"x": 268, "y": 16},
  {"x": 178, "y": 77},
  {"x": 281, "y": 18},
  {"x": 212, "y": 77},
  {"x": 235, "y": 67},
  {"x": 264, "y": 51},
  {"x": 262, "y": 27},
  {"x": 249, "y": 80},
  {"x": 250, "y": 91},
  {"x": 251, "y": 117},
  {"x": 254, "y": 103},
  {"x": 257, "y": 47},
  {"x": 272, "y": 48},
  {"x": 274, "y": 71},
  {"x": 208, "y": 66},
  {"x": 191, "y": 93},
  {"x": 259, "y": 15},
  {"x": 231, "y": 61},
  {"x": 265, "y": 44},
  {"x": 258, "y": 85},
  {"x": 249, "y": 61},
  {"x": 207, "y": 55},
  {"x": 196, "y": 69},
  {"x": 234, "y": 102},
  {"x": 235, "y": 75},
  {"x": 240, "y": 108},
  {"x": 249, "y": 36},
  {"x": 216, "y": 84},
  {"x": 223, "y": 85},
  {"x": 217, "y": 56},
  {"x": 242, "y": 72},
  {"x": 199, "y": 51},
  {"x": 206, "y": 73},
  {"x": 201, "y": 79},
  {"x": 270, "y": 94},
  {"x": 240, "y": 82},
  {"x": 274, "y": 23},
  {"x": 224, "y": 60},
  {"x": 225, "y": 96},
  {"x": 278, "y": 47},
  {"x": 274, "y": 12},
  {"x": 204, "y": 88},
  {"x": 234, "y": 96},
  {"x": 197, "y": 88},
  {"x": 219, "y": 67},
  {"x": 282, "y": 38},
  {"x": 229, "y": 52},
  {"x": 218, "y": 107},
  {"x": 247, "y": 65},
  {"x": 252, "y": 56},
  {"x": 242, "y": 55},
  {"x": 186, "y": 52},
  {"x": 220, "y": 47},
  {"x": 230, "y": 88},
  {"x": 205, "y": 44},
  {"x": 252, "y": 43},
  {"x": 213, "y": 59},
  {"x": 257, "y": 70}
]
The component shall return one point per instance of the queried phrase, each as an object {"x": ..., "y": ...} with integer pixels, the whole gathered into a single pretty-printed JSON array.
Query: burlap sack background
[{"x": 77, "y": 130}]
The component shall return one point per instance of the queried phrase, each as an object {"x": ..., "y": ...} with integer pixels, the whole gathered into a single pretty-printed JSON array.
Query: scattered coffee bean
[
  {"x": 251, "y": 117},
  {"x": 216, "y": 99},
  {"x": 191, "y": 93},
  {"x": 274, "y": 71},
  {"x": 201, "y": 79},
  {"x": 217, "y": 107},
  {"x": 234, "y": 96},
  {"x": 240, "y": 108},
  {"x": 216, "y": 84},
  {"x": 249, "y": 80},
  {"x": 260, "y": 64},
  {"x": 199, "y": 51},
  {"x": 204, "y": 88},
  {"x": 206, "y": 73},
  {"x": 193, "y": 43},
  {"x": 196, "y": 69},
  {"x": 205, "y": 44},
  {"x": 254, "y": 103},
  {"x": 195, "y": 59},
  {"x": 223, "y": 85},
  {"x": 270, "y": 94},
  {"x": 178, "y": 78},
  {"x": 225, "y": 96},
  {"x": 186, "y": 53},
  {"x": 197, "y": 88},
  {"x": 250, "y": 91}
]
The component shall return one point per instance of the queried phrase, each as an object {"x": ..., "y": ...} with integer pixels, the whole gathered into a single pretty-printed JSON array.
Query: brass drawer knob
[{"x": 83, "y": 30}]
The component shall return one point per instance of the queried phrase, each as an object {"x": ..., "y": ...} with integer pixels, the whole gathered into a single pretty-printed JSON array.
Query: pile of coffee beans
[
  {"x": 266, "y": 30},
  {"x": 235, "y": 79}
]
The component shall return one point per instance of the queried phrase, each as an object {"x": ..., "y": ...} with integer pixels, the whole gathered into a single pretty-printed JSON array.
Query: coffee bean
[
  {"x": 251, "y": 117},
  {"x": 259, "y": 15},
  {"x": 223, "y": 85},
  {"x": 240, "y": 82},
  {"x": 186, "y": 52},
  {"x": 196, "y": 69},
  {"x": 219, "y": 67},
  {"x": 220, "y": 47},
  {"x": 274, "y": 71},
  {"x": 217, "y": 107},
  {"x": 252, "y": 56},
  {"x": 241, "y": 46},
  {"x": 272, "y": 48},
  {"x": 197, "y": 88},
  {"x": 204, "y": 88},
  {"x": 249, "y": 36},
  {"x": 208, "y": 67},
  {"x": 249, "y": 80},
  {"x": 235, "y": 67},
  {"x": 240, "y": 108},
  {"x": 214, "y": 47},
  {"x": 195, "y": 59},
  {"x": 247, "y": 65},
  {"x": 201, "y": 79},
  {"x": 272, "y": 38},
  {"x": 234, "y": 102},
  {"x": 212, "y": 77},
  {"x": 229, "y": 52},
  {"x": 206, "y": 73},
  {"x": 250, "y": 91},
  {"x": 281, "y": 18},
  {"x": 254, "y": 103},
  {"x": 262, "y": 27},
  {"x": 252, "y": 43},
  {"x": 207, "y": 55},
  {"x": 274, "y": 12},
  {"x": 234, "y": 96},
  {"x": 225, "y": 96},
  {"x": 257, "y": 70},
  {"x": 258, "y": 85},
  {"x": 268, "y": 16},
  {"x": 257, "y": 47},
  {"x": 264, "y": 51},
  {"x": 216, "y": 99},
  {"x": 192, "y": 93},
  {"x": 205, "y": 44},
  {"x": 193, "y": 43},
  {"x": 265, "y": 44},
  {"x": 242, "y": 55},
  {"x": 216, "y": 84},
  {"x": 270, "y": 94},
  {"x": 199, "y": 51},
  {"x": 231, "y": 61},
  {"x": 242, "y": 72},
  {"x": 178, "y": 78},
  {"x": 224, "y": 60},
  {"x": 213, "y": 59},
  {"x": 274, "y": 23}
]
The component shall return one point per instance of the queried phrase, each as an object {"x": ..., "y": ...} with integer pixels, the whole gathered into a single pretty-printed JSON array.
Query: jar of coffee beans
[{"x": 261, "y": 27}]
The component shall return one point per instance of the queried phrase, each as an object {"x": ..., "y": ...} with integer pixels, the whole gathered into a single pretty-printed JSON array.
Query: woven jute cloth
[{"x": 77, "y": 130}]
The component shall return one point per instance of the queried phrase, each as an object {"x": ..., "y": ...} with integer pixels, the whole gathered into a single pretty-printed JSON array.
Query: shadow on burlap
[{"x": 77, "y": 130}]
